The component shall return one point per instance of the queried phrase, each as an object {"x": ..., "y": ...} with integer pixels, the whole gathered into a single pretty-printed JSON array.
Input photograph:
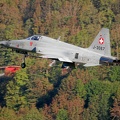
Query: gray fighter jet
[{"x": 99, "y": 52}]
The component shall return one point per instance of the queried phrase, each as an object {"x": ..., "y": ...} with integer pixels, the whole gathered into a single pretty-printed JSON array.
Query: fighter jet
[{"x": 99, "y": 52}]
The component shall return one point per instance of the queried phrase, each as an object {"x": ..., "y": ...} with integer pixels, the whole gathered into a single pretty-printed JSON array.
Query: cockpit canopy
[{"x": 34, "y": 37}]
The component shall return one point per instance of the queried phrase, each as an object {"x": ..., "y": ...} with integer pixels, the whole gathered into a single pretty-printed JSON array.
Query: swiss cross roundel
[{"x": 101, "y": 40}]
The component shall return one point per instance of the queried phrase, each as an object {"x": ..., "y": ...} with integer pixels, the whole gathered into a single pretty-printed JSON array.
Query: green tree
[
  {"x": 8, "y": 114},
  {"x": 62, "y": 115},
  {"x": 80, "y": 89},
  {"x": 114, "y": 73},
  {"x": 33, "y": 114},
  {"x": 16, "y": 91},
  {"x": 99, "y": 99}
]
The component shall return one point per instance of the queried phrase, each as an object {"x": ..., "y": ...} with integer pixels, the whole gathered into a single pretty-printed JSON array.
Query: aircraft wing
[
  {"x": 90, "y": 64},
  {"x": 60, "y": 58}
]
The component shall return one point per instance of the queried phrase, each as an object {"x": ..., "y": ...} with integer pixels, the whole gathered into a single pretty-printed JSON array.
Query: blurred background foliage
[{"x": 39, "y": 92}]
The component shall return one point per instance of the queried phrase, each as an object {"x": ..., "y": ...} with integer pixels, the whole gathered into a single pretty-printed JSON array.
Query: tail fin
[{"x": 101, "y": 43}]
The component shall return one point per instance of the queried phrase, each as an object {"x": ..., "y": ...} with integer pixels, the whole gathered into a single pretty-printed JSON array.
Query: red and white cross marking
[{"x": 101, "y": 40}]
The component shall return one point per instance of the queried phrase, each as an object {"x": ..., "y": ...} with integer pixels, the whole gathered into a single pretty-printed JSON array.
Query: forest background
[{"x": 39, "y": 92}]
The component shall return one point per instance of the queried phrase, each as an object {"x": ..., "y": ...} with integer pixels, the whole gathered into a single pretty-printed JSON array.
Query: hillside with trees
[{"x": 39, "y": 92}]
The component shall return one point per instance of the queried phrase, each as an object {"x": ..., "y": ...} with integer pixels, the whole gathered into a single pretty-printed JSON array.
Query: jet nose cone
[{"x": 5, "y": 43}]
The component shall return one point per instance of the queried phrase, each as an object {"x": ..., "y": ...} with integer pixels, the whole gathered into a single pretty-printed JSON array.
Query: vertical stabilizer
[{"x": 101, "y": 43}]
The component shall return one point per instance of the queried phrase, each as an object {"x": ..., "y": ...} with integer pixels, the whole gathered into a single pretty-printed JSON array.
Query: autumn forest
[{"x": 40, "y": 92}]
